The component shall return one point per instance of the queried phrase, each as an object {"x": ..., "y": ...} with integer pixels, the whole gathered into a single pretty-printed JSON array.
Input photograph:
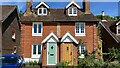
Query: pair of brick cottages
[{"x": 54, "y": 34}]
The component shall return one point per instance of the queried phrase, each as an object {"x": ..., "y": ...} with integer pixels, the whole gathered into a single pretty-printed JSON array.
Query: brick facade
[
  {"x": 58, "y": 22},
  {"x": 27, "y": 40}
]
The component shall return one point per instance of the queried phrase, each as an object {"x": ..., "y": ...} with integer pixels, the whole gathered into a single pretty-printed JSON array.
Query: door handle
[{"x": 70, "y": 53}]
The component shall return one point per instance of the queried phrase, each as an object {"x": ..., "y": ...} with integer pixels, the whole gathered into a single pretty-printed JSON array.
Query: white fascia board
[
  {"x": 41, "y": 4},
  {"x": 49, "y": 36},
  {"x": 74, "y": 4},
  {"x": 70, "y": 36}
]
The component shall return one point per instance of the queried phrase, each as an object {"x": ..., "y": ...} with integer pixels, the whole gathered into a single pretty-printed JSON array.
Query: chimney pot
[{"x": 103, "y": 16}]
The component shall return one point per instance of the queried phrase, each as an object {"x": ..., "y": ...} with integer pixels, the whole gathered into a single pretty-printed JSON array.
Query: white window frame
[
  {"x": 14, "y": 36},
  {"x": 80, "y": 34},
  {"x": 36, "y": 55},
  {"x": 42, "y": 11},
  {"x": 37, "y": 34},
  {"x": 118, "y": 24},
  {"x": 72, "y": 11},
  {"x": 82, "y": 55},
  {"x": 80, "y": 48},
  {"x": 118, "y": 29}
]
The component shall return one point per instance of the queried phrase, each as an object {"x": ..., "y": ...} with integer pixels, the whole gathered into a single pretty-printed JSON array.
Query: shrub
[
  {"x": 90, "y": 61},
  {"x": 31, "y": 63},
  {"x": 63, "y": 64}
]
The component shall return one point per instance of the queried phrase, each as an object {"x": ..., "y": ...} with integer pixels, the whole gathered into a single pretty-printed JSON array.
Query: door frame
[{"x": 48, "y": 50}]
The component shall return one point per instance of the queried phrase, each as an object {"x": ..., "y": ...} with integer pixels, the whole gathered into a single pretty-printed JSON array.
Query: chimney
[
  {"x": 103, "y": 16},
  {"x": 86, "y": 6},
  {"x": 28, "y": 8}
]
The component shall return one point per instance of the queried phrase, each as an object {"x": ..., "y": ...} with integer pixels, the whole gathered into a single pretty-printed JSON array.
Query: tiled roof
[
  {"x": 6, "y": 10},
  {"x": 107, "y": 25},
  {"x": 59, "y": 15}
]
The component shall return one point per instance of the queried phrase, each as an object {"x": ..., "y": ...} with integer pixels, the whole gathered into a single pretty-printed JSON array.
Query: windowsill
[
  {"x": 72, "y": 14},
  {"x": 117, "y": 34},
  {"x": 79, "y": 34},
  {"x": 35, "y": 56},
  {"x": 42, "y": 14},
  {"x": 37, "y": 34}
]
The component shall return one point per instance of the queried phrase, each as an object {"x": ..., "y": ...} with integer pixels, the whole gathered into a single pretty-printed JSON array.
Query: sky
[{"x": 110, "y": 7}]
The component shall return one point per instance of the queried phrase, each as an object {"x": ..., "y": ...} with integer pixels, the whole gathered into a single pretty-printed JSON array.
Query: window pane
[
  {"x": 74, "y": 10},
  {"x": 39, "y": 28},
  {"x": 119, "y": 31},
  {"x": 82, "y": 49},
  {"x": 82, "y": 28},
  {"x": 40, "y": 11},
  {"x": 44, "y": 11},
  {"x": 39, "y": 49},
  {"x": 34, "y": 49},
  {"x": 118, "y": 26},
  {"x": 70, "y": 10},
  {"x": 77, "y": 28},
  {"x": 35, "y": 28}
]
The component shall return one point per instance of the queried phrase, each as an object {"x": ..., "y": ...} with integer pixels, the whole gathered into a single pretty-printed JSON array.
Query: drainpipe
[{"x": 93, "y": 37}]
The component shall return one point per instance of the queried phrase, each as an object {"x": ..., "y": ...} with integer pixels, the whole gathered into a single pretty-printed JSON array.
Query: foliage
[
  {"x": 99, "y": 50},
  {"x": 80, "y": 41},
  {"x": 114, "y": 54},
  {"x": 63, "y": 64},
  {"x": 90, "y": 61},
  {"x": 107, "y": 17},
  {"x": 20, "y": 14},
  {"x": 31, "y": 63}
]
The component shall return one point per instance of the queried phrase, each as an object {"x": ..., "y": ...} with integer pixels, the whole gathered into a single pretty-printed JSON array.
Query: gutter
[{"x": 56, "y": 21}]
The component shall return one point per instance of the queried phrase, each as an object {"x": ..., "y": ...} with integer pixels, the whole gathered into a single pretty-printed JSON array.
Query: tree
[
  {"x": 20, "y": 14},
  {"x": 107, "y": 17}
]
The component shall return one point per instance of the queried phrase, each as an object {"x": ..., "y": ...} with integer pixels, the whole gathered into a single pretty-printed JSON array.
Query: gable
[
  {"x": 118, "y": 23},
  {"x": 72, "y": 3},
  {"x": 51, "y": 38},
  {"x": 68, "y": 38},
  {"x": 42, "y": 3}
]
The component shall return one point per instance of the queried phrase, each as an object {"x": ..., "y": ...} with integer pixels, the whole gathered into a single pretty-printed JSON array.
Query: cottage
[
  {"x": 9, "y": 29},
  {"x": 110, "y": 34},
  {"x": 54, "y": 34}
]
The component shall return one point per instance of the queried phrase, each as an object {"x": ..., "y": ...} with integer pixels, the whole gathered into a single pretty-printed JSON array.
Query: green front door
[{"x": 52, "y": 53}]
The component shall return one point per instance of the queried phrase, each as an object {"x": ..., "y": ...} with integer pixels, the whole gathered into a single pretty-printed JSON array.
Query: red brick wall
[{"x": 27, "y": 39}]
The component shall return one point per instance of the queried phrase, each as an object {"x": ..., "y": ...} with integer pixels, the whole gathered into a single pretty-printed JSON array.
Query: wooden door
[{"x": 67, "y": 52}]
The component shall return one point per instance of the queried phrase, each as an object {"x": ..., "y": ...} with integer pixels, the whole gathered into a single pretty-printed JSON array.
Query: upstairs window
[
  {"x": 42, "y": 11},
  {"x": 80, "y": 29},
  {"x": 37, "y": 29},
  {"x": 72, "y": 11},
  {"x": 36, "y": 51},
  {"x": 118, "y": 29}
]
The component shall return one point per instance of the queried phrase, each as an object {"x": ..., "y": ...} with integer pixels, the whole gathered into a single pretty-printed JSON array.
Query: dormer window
[
  {"x": 72, "y": 11},
  {"x": 118, "y": 30},
  {"x": 42, "y": 11}
]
